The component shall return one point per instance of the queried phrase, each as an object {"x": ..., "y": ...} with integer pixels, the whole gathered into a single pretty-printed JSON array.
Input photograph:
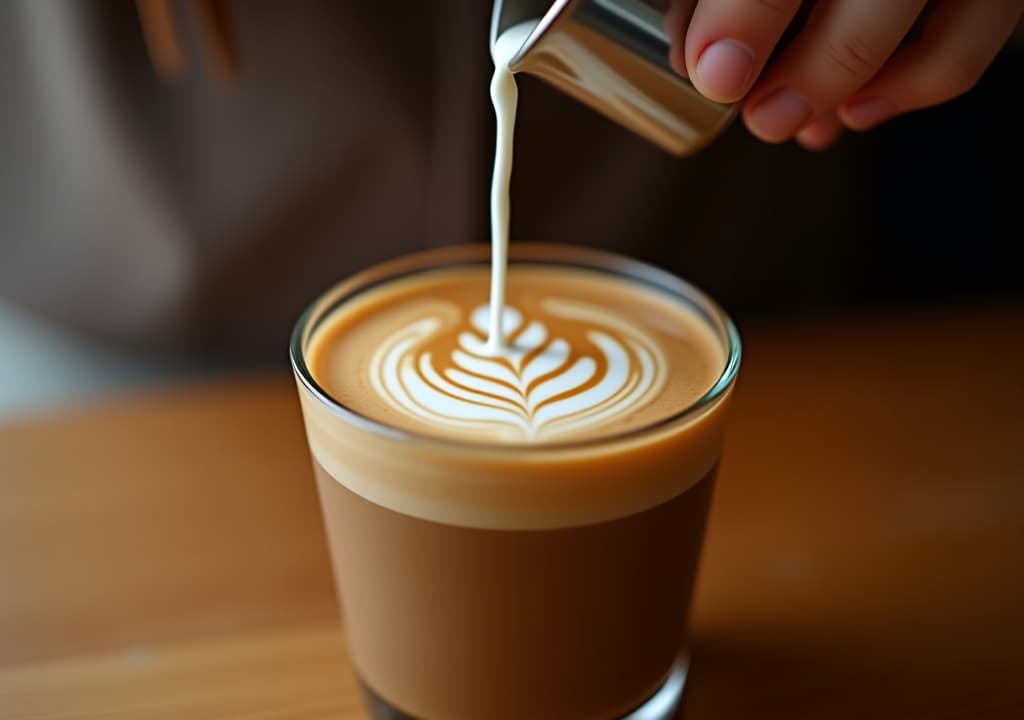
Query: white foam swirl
[{"x": 535, "y": 389}]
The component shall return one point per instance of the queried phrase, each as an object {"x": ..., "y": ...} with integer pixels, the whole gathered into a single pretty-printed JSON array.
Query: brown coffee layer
[{"x": 464, "y": 623}]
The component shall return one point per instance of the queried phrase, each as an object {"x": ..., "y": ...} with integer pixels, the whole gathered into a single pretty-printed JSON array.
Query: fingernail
[
  {"x": 724, "y": 69},
  {"x": 779, "y": 116},
  {"x": 868, "y": 113}
]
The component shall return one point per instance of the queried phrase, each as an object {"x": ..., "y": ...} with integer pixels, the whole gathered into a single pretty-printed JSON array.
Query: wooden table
[{"x": 162, "y": 556}]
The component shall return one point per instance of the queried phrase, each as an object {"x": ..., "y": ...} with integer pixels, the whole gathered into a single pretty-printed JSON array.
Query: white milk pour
[
  {"x": 504, "y": 95},
  {"x": 537, "y": 387}
]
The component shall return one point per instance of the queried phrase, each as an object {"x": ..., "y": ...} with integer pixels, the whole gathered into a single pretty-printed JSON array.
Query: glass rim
[{"x": 519, "y": 253}]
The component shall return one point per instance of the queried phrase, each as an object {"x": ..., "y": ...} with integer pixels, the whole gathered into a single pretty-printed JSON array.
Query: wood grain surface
[{"x": 161, "y": 556}]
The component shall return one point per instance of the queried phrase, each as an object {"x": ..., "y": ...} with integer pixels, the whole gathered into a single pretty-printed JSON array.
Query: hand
[{"x": 845, "y": 67}]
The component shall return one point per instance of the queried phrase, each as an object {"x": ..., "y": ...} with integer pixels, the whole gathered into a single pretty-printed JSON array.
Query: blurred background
[{"x": 169, "y": 204}]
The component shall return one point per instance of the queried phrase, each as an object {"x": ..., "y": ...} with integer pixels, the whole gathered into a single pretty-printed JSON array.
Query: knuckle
[
  {"x": 854, "y": 55},
  {"x": 782, "y": 8},
  {"x": 961, "y": 74}
]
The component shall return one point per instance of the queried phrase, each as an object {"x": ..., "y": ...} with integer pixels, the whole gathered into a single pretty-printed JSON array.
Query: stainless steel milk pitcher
[{"x": 613, "y": 56}]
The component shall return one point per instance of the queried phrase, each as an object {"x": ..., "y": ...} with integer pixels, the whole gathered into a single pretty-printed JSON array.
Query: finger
[
  {"x": 728, "y": 41},
  {"x": 821, "y": 133},
  {"x": 843, "y": 45},
  {"x": 959, "y": 41},
  {"x": 677, "y": 19}
]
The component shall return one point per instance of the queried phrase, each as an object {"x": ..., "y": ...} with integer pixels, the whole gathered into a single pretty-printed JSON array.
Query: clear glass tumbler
[{"x": 549, "y": 580}]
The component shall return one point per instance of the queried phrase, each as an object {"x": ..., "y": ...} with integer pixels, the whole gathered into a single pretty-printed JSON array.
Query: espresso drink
[{"x": 523, "y": 543}]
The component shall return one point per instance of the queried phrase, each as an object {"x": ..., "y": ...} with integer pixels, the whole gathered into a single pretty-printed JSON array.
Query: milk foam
[{"x": 538, "y": 390}]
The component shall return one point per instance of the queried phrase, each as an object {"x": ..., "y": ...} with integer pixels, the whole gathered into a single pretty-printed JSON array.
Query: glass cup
[{"x": 547, "y": 580}]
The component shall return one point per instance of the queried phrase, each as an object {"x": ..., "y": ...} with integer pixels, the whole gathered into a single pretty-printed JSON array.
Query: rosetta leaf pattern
[{"x": 536, "y": 389}]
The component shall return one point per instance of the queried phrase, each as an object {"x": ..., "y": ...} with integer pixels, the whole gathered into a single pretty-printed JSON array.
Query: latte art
[
  {"x": 586, "y": 355},
  {"x": 536, "y": 388}
]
